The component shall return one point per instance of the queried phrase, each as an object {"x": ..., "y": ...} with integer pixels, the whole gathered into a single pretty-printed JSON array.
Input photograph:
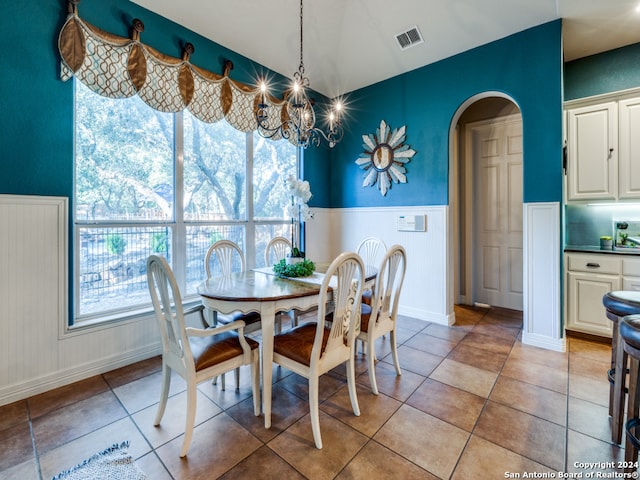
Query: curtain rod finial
[
  {"x": 228, "y": 66},
  {"x": 138, "y": 28},
  {"x": 187, "y": 51},
  {"x": 72, "y": 6}
]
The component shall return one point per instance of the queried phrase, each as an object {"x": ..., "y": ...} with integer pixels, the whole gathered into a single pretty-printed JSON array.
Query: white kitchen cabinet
[
  {"x": 592, "y": 144},
  {"x": 629, "y": 148},
  {"x": 631, "y": 274},
  {"x": 603, "y": 149},
  {"x": 588, "y": 278}
]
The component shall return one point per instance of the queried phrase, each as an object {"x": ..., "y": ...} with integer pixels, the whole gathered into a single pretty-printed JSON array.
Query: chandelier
[{"x": 297, "y": 121}]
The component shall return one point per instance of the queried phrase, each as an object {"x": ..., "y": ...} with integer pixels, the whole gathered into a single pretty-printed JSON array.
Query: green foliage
[
  {"x": 125, "y": 165},
  {"x": 159, "y": 242},
  {"x": 116, "y": 244},
  {"x": 301, "y": 269}
]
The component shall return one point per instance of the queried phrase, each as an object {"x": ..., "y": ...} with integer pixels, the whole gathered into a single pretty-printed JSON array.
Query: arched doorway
[{"x": 485, "y": 199}]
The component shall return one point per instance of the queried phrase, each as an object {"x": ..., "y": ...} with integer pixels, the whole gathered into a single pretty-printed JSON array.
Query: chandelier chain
[
  {"x": 297, "y": 123},
  {"x": 301, "y": 67}
]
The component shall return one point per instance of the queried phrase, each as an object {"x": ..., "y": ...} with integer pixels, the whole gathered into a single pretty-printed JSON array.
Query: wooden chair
[
  {"x": 276, "y": 250},
  {"x": 195, "y": 354},
  {"x": 223, "y": 258},
  {"x": 381, "y": 317},
  {"x": 371, "y": 249},
  {"x": 313, "y": 349}
]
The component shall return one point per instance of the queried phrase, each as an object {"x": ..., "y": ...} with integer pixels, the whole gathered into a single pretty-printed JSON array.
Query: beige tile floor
[{"x": 473, "y": 402}]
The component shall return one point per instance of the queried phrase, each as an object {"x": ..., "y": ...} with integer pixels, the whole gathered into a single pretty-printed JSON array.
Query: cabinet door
[
  {"x": 592, "y": 170},
  {"x": 585, "y": 312},
  {"x": 629, "y": 145},
  {"x": 631, "y": 284}
]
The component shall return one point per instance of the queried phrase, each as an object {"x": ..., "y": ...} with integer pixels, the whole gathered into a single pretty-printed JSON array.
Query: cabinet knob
[{"x": 593, "y": 265}]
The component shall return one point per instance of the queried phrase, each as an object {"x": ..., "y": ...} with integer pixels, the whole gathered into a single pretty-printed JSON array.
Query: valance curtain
[{"x": 118, "y": 67}]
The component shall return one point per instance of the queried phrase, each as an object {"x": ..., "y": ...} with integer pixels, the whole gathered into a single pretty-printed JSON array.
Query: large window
[{"x": 148, "y": 182}]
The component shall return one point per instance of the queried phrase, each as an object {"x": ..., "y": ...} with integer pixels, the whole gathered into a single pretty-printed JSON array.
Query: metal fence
[{"x": 112, "y": 261}]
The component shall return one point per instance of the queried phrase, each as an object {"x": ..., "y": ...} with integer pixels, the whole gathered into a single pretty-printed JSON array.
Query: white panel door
[{"x": 497, "y": 159}]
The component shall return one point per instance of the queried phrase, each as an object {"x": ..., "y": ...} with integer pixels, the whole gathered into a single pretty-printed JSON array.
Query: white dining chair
[
  {"x": 312, "y": 349},
  {"x": 380, "y": 317},
  {"x": 371, "y": 249},
  {"x": 193, "y": 353},
  {"x": 223, "y": 258},
  {"x": 277, "y": 249}
]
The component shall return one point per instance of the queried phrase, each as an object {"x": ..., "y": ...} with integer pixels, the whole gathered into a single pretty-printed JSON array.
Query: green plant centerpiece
[{"x": 300, "y": 269}]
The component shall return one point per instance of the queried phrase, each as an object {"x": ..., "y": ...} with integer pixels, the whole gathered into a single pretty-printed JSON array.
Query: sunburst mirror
[{"x": 384, "y": 156}]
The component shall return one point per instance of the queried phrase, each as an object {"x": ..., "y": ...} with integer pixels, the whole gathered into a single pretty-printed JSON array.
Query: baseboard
[
  {"x": 542, "y": 341},
  {"x": 35, "y": 386},
  {"x": 426, "y": 316},
  {"x": 588, "y": 336}
]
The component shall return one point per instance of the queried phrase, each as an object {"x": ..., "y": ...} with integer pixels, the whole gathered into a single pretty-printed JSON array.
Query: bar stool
[
  {"x": 630, "y": 338},
  {"x": 618, "y": 304}
]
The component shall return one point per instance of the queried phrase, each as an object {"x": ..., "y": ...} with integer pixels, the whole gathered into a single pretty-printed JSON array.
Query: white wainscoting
[
  {"x": 424, "y": 293},
  {"x": 37, "y": 352},
  {"x": 541, "y": 301}
]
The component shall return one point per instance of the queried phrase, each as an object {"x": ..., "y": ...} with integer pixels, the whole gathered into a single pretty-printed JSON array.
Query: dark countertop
[{"x": 597, "y": 249}]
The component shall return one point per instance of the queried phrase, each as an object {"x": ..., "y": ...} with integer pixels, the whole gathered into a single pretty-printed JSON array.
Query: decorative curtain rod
[{"x": 119, "y": 67}]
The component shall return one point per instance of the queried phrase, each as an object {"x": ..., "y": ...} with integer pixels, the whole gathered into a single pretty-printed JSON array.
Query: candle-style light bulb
[{"x": 263, "y": 90}]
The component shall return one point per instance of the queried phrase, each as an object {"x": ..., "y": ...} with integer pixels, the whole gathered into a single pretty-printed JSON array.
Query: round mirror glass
[{"x": 382, "y": 156}]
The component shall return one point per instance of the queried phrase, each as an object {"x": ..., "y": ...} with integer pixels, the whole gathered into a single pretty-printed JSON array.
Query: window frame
[{"x": 178, "y": 226}]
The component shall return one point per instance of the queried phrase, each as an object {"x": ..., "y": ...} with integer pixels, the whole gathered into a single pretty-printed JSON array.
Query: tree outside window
[{"x": 127, "y": 162}]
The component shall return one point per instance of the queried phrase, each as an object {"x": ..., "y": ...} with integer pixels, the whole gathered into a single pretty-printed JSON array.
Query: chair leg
[
  {"x": 394, "y": 351},
  {"x": 191, "y": 418},
  {"x": 351, "y": 382},
  {"x": 255, "y": 380},
  {"x": 164, "y": 394},
  {"x": 314, "y": 411},
  {"x": 614, "y": 350},
  {"x": 371, "y": 365},
  {"x": 633, "y": 404},
  {"x": 620, "y": 380},
  {"x": 237, "y": 375}
]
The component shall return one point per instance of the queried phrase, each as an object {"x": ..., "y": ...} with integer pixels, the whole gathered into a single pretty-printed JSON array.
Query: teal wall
[
  {"x": 606, "y": 72},
  {"x": 36, "y": 128},
  {"x": 36, "y": 125},
  {"x": 526, "y": 66}
]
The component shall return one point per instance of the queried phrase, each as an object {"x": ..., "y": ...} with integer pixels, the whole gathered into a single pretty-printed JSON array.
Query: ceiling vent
[{"x": 409, "y": 38}]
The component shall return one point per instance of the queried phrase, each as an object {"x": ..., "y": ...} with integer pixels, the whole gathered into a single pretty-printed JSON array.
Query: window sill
[{"x": 95, "y": 324}]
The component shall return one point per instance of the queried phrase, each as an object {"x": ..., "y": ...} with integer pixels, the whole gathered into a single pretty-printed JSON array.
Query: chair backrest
[
  {"x": 345, "y": 280},
  {"x": 276, "y": 250},
  {"x": 388, "y": 284},
  {"x": 167, "y": 304},
  {"x": 229, "y": 259},
  {"x": 371, "y": 249}
]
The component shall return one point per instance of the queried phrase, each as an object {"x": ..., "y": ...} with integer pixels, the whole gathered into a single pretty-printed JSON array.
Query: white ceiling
[{"x": 349, "y": 44}]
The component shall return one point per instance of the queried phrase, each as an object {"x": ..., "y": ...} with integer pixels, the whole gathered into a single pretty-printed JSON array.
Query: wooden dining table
[{"x": 262, "y": 291}]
